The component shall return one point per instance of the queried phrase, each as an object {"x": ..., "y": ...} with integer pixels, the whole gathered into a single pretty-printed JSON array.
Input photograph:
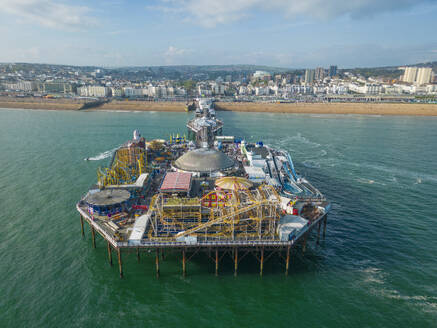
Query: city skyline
[{"x": 203, "y": 32}]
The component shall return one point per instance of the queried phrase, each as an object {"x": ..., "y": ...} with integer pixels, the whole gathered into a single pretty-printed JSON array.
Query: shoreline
[{"x": 384, "y": 109}]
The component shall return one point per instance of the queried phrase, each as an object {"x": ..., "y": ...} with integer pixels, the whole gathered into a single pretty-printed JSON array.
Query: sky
[{"x": 281, "y": 33}]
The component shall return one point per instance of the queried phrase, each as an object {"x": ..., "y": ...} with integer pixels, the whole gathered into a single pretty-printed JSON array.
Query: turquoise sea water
[{"x": 376, "y": 268}]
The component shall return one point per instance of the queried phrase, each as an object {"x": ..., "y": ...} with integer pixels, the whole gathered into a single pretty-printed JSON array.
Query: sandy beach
[
  {"x": 311, "y": 108},
  {"x": 335, "y": 108},
  {"x": 41, "y": 103}
]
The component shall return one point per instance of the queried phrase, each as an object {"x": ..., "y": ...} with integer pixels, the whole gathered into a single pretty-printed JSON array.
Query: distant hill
[
  {"x": 202, "y": 72},
  {"x": 207, "y": 68},
  {"x": 184, "y": 72},
  {"x": 428, "y": 64},
  {"x": 167, "y": 68},
  {"x": 387, "y": 71}
]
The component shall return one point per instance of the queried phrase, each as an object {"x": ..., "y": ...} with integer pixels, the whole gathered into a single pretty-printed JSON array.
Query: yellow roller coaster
[
  {"x": 236, "y": 215},
  {"x": 128, "y": 164}
]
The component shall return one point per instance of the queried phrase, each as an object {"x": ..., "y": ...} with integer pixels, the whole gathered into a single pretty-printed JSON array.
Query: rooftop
[
  {"x": 107, "y": 197},
  {"x": 176, "y": 181},
  {"x": 204, "y": 160}
]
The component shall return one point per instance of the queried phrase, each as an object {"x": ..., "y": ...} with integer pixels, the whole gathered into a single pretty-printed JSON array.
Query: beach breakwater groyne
[{"x": 168, "y": 106}]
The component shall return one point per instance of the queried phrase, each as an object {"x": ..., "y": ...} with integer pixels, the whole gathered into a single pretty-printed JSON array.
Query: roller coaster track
[{"x": 224, "y": 217}]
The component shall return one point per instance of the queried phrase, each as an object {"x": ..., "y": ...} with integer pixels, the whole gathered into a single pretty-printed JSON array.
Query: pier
[
  {"x": 215, "y": 251},
  {"x": 207, "y": 193}
]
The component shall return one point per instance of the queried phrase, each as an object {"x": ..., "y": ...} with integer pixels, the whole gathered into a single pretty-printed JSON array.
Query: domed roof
[
  {"x": 204, "y": 160},
  {"x": 108, "y": 197},
  {"x": 233, "y": 183}
]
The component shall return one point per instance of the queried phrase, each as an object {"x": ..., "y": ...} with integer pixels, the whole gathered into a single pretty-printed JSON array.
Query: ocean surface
[{"x": 376, "y": 268}]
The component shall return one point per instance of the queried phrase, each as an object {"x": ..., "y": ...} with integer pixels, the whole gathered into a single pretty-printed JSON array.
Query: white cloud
[
  {"x": 173, "y": 51},
  {"x": 174, "y": 55},
  {"x": 210, "y": 13},
  {"x": 49, "y": 13}
]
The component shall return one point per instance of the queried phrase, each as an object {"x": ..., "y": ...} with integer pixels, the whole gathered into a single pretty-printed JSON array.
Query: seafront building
[
  {"x": 310, "y": 85},
  {"x": 93, "y": 91},
  {"x": 424, "y": 75},
  {"x": 332, "y": 71},
  {"x": 22, "y": 86},
  {"x": 319, "y": 73},
  {"x": 417, "y": 75},
  {"x": 261, "y": 75},
  {"x": 410, "y": 75},
  {"x": 309, "y": 75}
]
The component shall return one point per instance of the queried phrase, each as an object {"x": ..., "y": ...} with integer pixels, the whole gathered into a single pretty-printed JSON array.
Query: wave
[
  {"x": 103, "y": 155},
  {"x": 369, "y": 181},
  {"x": 419, "y": 177},
  {"x": 323, "y": 153},
  {"x": 366, "y": 181},
  {"x": 374, "y": 275},
  {"x": 425, "y": 303},
  {"x": 377, "y": 279},
  {"x": 311, "y": 164},
  {"x": 299, "y": 137}
]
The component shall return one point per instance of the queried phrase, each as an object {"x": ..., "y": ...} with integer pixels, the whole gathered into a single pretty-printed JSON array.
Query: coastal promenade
[{"x": 415, "y": 109}]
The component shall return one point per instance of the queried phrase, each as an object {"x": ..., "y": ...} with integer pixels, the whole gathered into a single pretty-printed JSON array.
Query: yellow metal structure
[
  {"x": 128, "y": 164},
  {"x": 237, "y": 215},
  {"x": 233, "y": 183}
]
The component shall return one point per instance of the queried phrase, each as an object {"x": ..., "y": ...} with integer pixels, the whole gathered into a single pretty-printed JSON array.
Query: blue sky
[{"x": 285, "y": 33}]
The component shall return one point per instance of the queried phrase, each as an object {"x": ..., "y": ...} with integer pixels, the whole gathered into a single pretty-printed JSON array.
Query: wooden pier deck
[{"x": 262, "y": 249}]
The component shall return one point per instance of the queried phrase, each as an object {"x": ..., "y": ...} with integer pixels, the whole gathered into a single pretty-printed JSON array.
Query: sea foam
[{"x": 103, "y": 155}]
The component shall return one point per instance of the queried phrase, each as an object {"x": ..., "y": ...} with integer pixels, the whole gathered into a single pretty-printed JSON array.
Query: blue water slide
[
  {"x": 269, "y": 169},
  {"x": 277, "y": 170},
  {"x": 291, "y": 189},
  {"x": 287, "y": 170},
  {"x": 289, "y": 186},
  {"x": 291, "y": 166}
]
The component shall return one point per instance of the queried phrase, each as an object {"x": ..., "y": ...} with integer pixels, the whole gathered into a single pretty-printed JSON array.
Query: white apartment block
[
  {"x": 261, "y": 75},
  {"x": 261, "y": 91},
  {"x": 372, "y": 89},
  {"x": 368, "y": 88},
  {"x": 218, "y": 89},
  {"x": 243, "y": 90},
  {"x": 116, "y": 92},
  {"x": 410, "y": 74},
  {"x": 21, "y": 85},
  {"x": 431, "y": 89},
  {"x": 132, "y": 92},
  {"x": 309, "y": 75},
  {"x": 424, "y": 75},
  {"x": 417, "y": 75},
  {"x": 202, "y": 91},
  {"x": 93, "y": 91}
]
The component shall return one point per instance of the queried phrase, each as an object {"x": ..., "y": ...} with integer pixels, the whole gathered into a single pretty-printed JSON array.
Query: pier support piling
[
  {"x": 120, "y": 264},
  {"x": 287, "y": 260},
  {"x": 216, "y": 261},
  {"x": 304, "y": 244},
  {"x": 183, "y": 263},
  {"x": 261, "y": 266},
  {"x": 157, "y": 262},
  {"x": 138, "y": 254},
  {"x": 81, "y": 226},
  {"x": 235, "y": 262},
  {"x": 109, "y": 254},
  {"x": 324, "y": 226},
  {"x": 93, "y": 236},
  {"x": 318, "y": 232}
]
